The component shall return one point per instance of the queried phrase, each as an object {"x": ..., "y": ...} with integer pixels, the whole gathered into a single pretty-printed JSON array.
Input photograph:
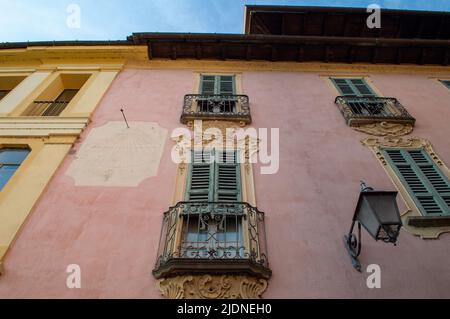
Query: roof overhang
[
  {"x": 346, "y": 22},
  {"x": 294, "y": 48}
]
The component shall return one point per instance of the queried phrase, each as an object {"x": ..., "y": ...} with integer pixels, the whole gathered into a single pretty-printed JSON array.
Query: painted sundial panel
[{"x": 116, "y": 156}]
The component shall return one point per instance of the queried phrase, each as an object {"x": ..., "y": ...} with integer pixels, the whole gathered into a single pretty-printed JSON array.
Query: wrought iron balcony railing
[
  {"x": 218, "y": 237},
  {"x": 216, "y": 107},
  {"x": 47, "y": 108},
  {"x": 361, "y": 110}
]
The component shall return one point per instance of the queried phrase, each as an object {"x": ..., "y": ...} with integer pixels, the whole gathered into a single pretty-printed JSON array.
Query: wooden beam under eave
[
  {"x": 261, "y": 25},
  {"x": 440, "y": 29},
  {"x": 224, "y": 52},
  {"x": 399, "y": 56},
  {"x": 324, "y": 25},
  {"x": 150, "y": 51},
  {"x": 400, "y": 27},
  {"x": 346, "y": 23},
  {"x": 422, "y": 56},
  {"x": 274, "y": 54},
  {"x": 327, "y": 53},
  {"x": 283, "y": 24},
  {"x": 174, "y": 52},
  {"x": 375, "y": 55},
  {"x": 198, "y": 52},
  {"x": 351, "y": 54},
  {"x": 446, "y": 57},
  {"x": 301, "y": 53},
  {"x": 421, "y": 26},
  {"x": 248, "y": 52}
]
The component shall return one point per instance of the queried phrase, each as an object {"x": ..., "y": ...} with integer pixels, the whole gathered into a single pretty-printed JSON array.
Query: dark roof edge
[
  {"x": 24, "y": 45},
  {"x": 146, "y": 37},
  {"x": 269, "y": 8}
]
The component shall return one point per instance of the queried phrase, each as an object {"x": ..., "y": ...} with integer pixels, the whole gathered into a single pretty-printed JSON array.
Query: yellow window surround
[
  {"x": 50, "y": 89},
  {"x": 20, "y": 194},
  {"x": 49, "y": 139}
]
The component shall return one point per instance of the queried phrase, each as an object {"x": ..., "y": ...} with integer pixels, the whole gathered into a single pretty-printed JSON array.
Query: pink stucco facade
[{"x": 113, "y": 232}]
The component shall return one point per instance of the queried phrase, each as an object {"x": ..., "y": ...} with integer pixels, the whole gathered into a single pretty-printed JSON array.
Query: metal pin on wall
[{"x": 124, "y": 117}]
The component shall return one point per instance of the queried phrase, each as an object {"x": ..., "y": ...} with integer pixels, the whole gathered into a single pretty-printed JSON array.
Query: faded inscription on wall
[{"x": 116, "y": 156}]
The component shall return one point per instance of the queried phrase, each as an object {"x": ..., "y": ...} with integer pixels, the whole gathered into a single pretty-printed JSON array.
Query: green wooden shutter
[
  {"x": 353, "y": 87},
  {"x": 227, "y": 177},
  {"x": 200, "y": 184},
  {"x": 208, "y": 85},
  {"x": 446, "y": 83},
  {"x": 428, "y": 186},
  {"x": 217, "y": 84},
  {"x": 226, "y": 85}
]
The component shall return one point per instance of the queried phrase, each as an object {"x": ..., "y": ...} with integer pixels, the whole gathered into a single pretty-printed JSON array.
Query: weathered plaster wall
[{"x": 113, "y": 232}]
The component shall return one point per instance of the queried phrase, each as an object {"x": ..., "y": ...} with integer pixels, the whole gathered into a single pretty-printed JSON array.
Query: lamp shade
[{"x": 378, "y": 213}]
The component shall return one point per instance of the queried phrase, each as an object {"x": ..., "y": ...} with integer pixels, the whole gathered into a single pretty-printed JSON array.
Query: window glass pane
[
  {"x": 446, "y": 83},
  {"x": 226, "y": 85},
  {"x": 3, "y": 93},
  {"x": 231, "y": 232},
  {"x": 208, "y": 84},
  {"x": 13, "y": 156},
  {"x": 196, "y": 232},
  {"x": 67, "y": 95},
  {"x": 6, "y": 172}
]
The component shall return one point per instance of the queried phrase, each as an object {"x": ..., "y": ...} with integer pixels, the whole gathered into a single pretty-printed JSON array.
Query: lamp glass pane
[
  {"x": 367, "y": 218},
  {"x": 384, "y": 205}
]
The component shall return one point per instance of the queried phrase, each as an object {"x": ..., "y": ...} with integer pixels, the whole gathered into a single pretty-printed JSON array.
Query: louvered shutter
[
  {"x": 228, "y": 177},
  {"x": 353, "y": 87},
  {"x": 226, "y": 84},
  {"x": 446, "y": 83},
  {"x": 208, "y": 85},
  {"x": 201, "y": 177},
  {"x": 429, "y": 187},
  {"x": 217, "y": 84}
]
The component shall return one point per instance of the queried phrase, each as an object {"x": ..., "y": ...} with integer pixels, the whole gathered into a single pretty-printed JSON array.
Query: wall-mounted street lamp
[{"x": 378, "y": 213}]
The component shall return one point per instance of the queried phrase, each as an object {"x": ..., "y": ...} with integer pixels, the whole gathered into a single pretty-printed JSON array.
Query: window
[
  {"x": 8, "y": 83},
  {"x": 53, "y": 108},
  {"x": 10, "y": 161},
  {"x": 425, "y": 182},
  {"x": 217, "y": 94},
  {"x": 446, "y": 83},
  {"x": 353, "y": 87},
  {"x": 217, "y": 84},
  {"x": 57, "y": 96},
  {"x": 3, "y": 93},
  {"x": 359, "y": 104},
  {"x": 215, "y": 178}
]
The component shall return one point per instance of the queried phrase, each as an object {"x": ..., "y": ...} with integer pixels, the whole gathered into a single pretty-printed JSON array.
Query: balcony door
[
  {"x": 363, "y": 102},
  {"x": 214, "y": 214},
  {"x": 217, "y": 94}
]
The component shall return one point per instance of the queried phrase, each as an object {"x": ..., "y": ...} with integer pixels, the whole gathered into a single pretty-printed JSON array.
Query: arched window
[{"x": 10, "y": 161}]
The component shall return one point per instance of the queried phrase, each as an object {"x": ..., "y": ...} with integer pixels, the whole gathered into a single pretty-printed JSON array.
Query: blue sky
[{"x": 36, "y": 20}]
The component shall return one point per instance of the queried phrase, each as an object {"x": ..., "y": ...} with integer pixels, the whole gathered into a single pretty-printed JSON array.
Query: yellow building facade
[{"x": 32, "y": 79}]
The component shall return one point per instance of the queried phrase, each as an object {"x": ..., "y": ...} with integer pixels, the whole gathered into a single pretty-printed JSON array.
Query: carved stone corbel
[
  {"x": 385, "y": 129},
  {"x": 213, "y": 287}
]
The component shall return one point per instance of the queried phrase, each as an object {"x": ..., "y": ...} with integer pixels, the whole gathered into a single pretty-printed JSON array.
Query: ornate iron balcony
[
  {"x": 218, "y": 237},
  {"x": 47, "y": 108},
  {"x": 216, "y": 107},
  {"x": 362, "y": 110}
]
